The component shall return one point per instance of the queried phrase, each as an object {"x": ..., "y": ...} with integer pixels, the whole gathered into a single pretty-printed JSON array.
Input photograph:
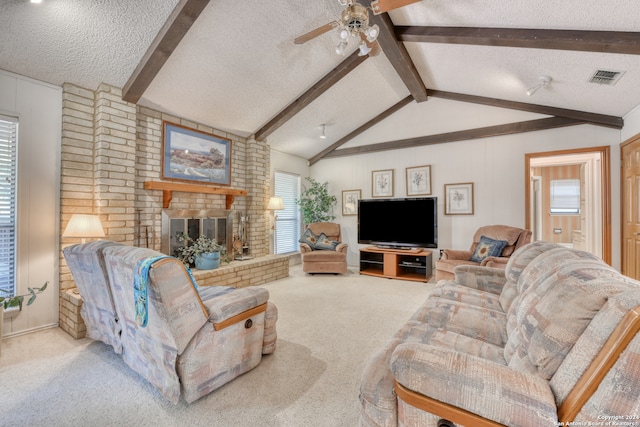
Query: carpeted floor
[{"x": 328, "y": 327}]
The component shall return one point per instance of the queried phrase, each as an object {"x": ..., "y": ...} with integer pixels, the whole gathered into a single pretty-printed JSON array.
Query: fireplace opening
[{"x": 213, "y": 223}]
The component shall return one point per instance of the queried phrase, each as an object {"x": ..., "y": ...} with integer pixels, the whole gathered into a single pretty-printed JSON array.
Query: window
[
  {"x": 8, "y": 164},
  {"x": 287, "y": 231},
  {"x": 565, "y": 196}
]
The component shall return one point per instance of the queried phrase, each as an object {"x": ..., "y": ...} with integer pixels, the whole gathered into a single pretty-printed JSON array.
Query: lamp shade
[
  {"x": 82, "y": 225},
  {"x": 275, "y": 204}
]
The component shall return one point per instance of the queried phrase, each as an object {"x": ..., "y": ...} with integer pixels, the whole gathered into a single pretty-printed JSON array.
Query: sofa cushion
[
  {"x": 487, "y": 247},
  {"x": 325, "y": 244},
  {"x": 309, "y": 238},
  {"x": 553, "y": 315}
]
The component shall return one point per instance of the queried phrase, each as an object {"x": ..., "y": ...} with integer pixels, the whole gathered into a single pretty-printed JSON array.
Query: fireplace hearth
[{"x": 213, "y": 223}]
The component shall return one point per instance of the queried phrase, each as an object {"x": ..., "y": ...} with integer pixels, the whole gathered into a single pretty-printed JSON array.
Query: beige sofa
[
  {"x": 513, "y": 236},
  {"x": 326, "y": 260},
  {"x": 550, "y": 340}
]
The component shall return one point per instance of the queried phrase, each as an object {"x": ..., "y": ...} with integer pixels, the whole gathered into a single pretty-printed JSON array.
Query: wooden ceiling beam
[
  {"x": 333, "y": 77},
  {"x": 174, "y": 29},
  {"x": 377, "y": 119},
  {"x": 397, "y": 54},
  {"x": 588, "y": 41},
  {"x": 463, "y": 135},
  {"x": 592, "y": 118}
]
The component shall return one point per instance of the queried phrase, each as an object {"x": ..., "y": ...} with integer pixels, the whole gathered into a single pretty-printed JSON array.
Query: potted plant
[
  {"x": 316, "y": 203},
  {"x": 16, "y": 301},
  {"x": 204, "y": 253}
]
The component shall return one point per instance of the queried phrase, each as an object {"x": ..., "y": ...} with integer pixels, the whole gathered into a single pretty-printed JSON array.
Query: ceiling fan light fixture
[
  {"x": 341, "y": 48},
  {"x": 542, "y": 82},
  {"x": 372, "y": 33},
  {"x": 364, "y": 49}
]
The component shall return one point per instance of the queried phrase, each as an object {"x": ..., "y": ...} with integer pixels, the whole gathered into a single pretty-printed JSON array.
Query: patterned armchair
[
  {"x": 319, "y": 251},
  {"x": 186, "y": 341},
  {"x": 513, "y": 236}
]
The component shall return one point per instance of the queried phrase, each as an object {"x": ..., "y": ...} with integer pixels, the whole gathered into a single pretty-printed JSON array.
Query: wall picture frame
[
  {"x": 350, "y": 202},
  {"x": 195, "y": 156},
  {"x": 458, "y": 199},
  {"x": 382, "y": 183},
  {"x": 418, "y": 180}
]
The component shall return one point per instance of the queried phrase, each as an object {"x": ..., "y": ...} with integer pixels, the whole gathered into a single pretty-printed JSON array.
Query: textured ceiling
[{"x": 237, "y": 67}]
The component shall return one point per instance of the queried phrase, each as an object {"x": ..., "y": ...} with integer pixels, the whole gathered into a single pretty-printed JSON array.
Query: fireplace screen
[{"x": 213, "y": 223}]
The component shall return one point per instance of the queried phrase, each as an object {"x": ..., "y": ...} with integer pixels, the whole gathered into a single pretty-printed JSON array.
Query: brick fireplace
[{"x": 110, "y": 148}]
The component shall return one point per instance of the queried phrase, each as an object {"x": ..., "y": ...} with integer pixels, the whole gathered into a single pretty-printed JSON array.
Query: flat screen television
[{"x": 398, "y": 223}]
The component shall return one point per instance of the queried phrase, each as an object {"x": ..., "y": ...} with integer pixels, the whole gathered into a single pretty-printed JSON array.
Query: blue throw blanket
[{"x": 141, "y": 288}]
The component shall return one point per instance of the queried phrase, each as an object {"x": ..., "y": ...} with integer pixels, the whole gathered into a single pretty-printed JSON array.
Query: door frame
[{"x": 605, "y": 172}]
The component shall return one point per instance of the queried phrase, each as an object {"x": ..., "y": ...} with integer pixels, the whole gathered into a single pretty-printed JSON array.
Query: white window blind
[
  {"x": 565, "y": 196},
  {"x": 8, "y": 175},
  {"x": 287, "y": 232}
]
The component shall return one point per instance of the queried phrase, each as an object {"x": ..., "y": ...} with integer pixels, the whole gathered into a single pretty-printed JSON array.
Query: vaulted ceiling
[{"x": 446, "y": 66}]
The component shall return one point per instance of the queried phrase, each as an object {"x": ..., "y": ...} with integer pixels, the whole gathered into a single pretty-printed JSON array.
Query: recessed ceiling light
[{"x": 36, "y": 1}]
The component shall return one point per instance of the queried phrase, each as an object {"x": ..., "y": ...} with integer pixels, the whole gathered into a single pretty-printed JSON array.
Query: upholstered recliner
[
  {"x": 514, "y": 237},
  {"x": 328, "y": 259},
  {"x": 185, "y": 340}
]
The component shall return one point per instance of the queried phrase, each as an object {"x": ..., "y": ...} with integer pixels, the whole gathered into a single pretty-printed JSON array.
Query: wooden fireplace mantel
[{"x": 169, "y": 187}]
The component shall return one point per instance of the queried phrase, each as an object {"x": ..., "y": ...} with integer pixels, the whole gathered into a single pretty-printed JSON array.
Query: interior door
[{"x": 630, "y": 153}]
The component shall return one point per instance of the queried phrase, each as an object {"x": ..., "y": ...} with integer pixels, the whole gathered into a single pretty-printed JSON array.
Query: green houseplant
[
  {"x": 204, "y": 253},
  {"x": 17, "y": 301},
  {"x": 316, "y": 203}
]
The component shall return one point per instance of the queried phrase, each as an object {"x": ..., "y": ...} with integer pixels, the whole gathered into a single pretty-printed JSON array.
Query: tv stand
[{"x": 406, "y": 264}]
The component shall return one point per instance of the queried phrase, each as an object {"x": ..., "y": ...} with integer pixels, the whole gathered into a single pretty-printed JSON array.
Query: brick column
[
  {"x": 258, "y": 187},
  {"x": 115, "y": 163}
]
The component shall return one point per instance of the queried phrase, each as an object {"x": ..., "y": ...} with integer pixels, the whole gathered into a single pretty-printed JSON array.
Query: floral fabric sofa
[
  {"x": 186, "y": 341},
  {"x": 551, "y": 340}
]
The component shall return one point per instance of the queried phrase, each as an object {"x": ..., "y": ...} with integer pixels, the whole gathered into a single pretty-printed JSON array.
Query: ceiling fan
[{"x": 354, "y": 22}]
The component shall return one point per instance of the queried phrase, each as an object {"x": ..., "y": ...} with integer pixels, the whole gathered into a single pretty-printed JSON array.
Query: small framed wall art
[
  {"x": 350, "y": 202},
  {"x": 458, "y": 199},
  {"x": 382, "y": 183},
  {"x": 419, "y": 181},
  {"x": 191, "y": 155}
]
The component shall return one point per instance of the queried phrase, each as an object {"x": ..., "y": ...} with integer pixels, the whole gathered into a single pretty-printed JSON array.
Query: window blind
[
  {"x": 287, "y": 232},
  {"x": 565, "y": 196},
  {"x": 8, "y": 187}
]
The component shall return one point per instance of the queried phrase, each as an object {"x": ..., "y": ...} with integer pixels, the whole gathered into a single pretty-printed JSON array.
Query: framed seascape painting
[
  {"x": 458, "y": 199},
  {"x": 382, "y": 183},
  {"x": 350, "y": 202},
  {"x": 192, "y": 155},
  {"x": 419, "y": 181}
]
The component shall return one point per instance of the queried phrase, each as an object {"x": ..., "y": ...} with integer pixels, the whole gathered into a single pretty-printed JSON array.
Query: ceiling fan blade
[
  {"x": 381, "y": 6},
  {"x": 315, "y": 33}
]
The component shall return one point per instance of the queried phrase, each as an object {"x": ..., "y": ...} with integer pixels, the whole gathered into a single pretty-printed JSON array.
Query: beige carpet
[{"x": 328, "y": 327}]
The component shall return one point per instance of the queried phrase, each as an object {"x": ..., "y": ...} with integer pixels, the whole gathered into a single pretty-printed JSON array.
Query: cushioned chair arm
[
  {"x": 472, "y": 386},
  {"x": 304, "y": 248},
  {"x": 235, "y": 306},
  {"x": 495, "y": 262},
  {"x": 342, "y": 247},
  {"x": 482, "y": 278},
  {"x": 456, "y": 254}
]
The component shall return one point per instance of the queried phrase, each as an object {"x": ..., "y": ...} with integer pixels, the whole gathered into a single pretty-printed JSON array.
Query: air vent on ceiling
[{"x": 606, "y": 77}]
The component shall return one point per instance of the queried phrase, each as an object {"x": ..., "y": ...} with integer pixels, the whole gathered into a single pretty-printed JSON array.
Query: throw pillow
[
  {"x": 325, "y": 243},
  {"x": 487, "y": 247},
  {"x": 309, "y": 238}
]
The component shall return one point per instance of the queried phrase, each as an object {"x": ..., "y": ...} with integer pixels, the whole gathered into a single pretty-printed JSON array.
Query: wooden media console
[{"x": 410, "y": 264}]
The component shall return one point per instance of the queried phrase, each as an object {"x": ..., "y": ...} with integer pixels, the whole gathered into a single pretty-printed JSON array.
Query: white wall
[
  {"x": 495, "y": 166},
  {"x": 631, "y": 124},
  {"x": 38, "y": 107}
]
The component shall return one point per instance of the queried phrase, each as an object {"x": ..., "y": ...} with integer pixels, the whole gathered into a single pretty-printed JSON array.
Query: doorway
[{"x": 568, "y": 200}]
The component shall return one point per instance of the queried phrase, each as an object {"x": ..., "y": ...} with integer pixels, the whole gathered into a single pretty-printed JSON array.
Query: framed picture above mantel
[{"x": 195, "y": 156}]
